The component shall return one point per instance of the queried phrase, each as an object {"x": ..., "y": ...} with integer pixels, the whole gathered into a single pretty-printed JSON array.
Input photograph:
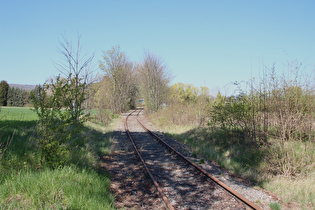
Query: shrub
[{"x": 59, "y": 120}]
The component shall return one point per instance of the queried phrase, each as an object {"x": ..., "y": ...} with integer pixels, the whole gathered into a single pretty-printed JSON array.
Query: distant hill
[{"x": 25, "y": 87}]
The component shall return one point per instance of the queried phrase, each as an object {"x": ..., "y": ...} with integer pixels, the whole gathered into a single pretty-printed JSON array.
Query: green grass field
[
  {"x": 26, "y": 184},
  {"x": 17, "y": 114}
]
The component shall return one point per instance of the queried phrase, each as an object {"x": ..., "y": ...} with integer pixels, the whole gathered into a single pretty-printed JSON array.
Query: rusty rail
[
  {"x": 217, "y": 181},
  {"x": 164, "y": 198}
]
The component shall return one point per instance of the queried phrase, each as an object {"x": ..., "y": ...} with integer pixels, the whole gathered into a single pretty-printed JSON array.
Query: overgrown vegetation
[
  {"x": 117, "y": 89},
  {"x": 26, "y": 183},
  {"x": 278, "y": 115},
  {"x": 153, "y": 82},
  {"x": 59, "y": 122},
  {"x": 265, "y": 132},
  {"x": 52, "y": 159}
]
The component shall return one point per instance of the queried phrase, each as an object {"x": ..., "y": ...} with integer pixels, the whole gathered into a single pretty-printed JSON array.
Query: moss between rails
[
  {"x": 259, "y": 164},
  {"x": 26, "y": 184}
]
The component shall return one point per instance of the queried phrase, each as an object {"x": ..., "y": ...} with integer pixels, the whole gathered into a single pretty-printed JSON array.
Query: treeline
[
  {"x": 14, "y": 96},
  {"x": 123, "y": 82}
]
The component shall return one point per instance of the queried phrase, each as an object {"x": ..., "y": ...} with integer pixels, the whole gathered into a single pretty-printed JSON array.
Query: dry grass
[
  {"x": 300, "y": 191},
  {"x": 258, "y": 166}
]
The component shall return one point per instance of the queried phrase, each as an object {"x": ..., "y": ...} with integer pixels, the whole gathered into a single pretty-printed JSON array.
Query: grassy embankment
[
  {"x": 249, "y": 162},
  {"x": 25, "y": 184}
]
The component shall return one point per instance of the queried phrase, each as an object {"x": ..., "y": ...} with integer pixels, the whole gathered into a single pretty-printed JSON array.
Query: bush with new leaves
[{"x": 59, "y": 121}]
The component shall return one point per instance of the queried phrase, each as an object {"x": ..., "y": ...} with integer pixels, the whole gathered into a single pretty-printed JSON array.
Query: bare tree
[
  {"x": 77, "y": 71},
  {"x": 154, "y": 80},
  {"x": 118, "y": 79}
]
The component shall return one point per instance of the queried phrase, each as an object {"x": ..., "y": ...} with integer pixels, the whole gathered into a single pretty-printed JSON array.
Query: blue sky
[{"x": 204, "y": 43}]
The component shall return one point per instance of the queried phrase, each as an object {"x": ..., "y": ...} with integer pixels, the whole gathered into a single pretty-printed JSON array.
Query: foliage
[
  {"x": 154, "y": 81},
  {"x": 234, "y": 114},
  {"x": 18, "y": 97},
  {"x": 4, "y": 88},
  {"x": 77, "y": 73},
  {"x": 187, "y": 103},
  {"x": 117, "y": 88},
  {"x": 280, "y": 109},
  {"x": 36, "y": 92},
  {"x": 58, "y": 141},
  {"x": 26, "y": 184},
  {"x": 184, "y": 92},
  {"x": 58, "y": 121},
  {"x": 59, "y": 106}
]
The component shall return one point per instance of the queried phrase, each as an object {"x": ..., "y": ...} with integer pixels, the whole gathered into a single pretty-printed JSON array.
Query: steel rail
[
  {"x": 157, "y": 186},
  {"x": 217, "y": 181}
]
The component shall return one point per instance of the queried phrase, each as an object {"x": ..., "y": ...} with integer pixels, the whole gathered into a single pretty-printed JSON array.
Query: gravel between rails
[
  {"x": 134, "y": 190},
  {"x": 261, "y": 197}
]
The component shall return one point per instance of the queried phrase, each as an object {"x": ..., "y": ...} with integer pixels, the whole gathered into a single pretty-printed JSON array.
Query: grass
[
  {"x": 213, "y": 145},
  {"x": 300, "y": 190},
  {"x": 66, "y": 188},
  {"x": 19, "y": 123},
  {"x": 26, "y": 184},
  {"x": 274, "y": 206},
  {"x": 252, "y": 162},
  {"x": 17, "y": 114}
]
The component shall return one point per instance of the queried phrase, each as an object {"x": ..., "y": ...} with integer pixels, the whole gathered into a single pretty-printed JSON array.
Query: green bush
[{"x": 60, "y": 118}]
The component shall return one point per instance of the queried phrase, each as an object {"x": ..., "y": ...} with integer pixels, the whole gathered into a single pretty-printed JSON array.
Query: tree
[
  {"x": 76, "y": 70},
  {"x": 18, "y": 97},
  {"x": 4, "y": 89},
  {"x": 59, "y": 106},
  {"x": 36, "y": 92},
  {"x": 154, "y": 81},
  {"x": 118, "y": 81},
  {"x": 189, "y": 103},
  {"x": 57, "y": 125},
  {"x": 184, "y": 92}
]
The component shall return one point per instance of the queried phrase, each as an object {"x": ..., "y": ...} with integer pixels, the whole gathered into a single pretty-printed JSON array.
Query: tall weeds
[
  {"x": 277, "y": 113},
  {"x": 264, "y": 132}
]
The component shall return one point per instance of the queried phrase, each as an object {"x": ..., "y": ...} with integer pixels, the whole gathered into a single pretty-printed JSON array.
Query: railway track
[{"x": 181, "y": 183}]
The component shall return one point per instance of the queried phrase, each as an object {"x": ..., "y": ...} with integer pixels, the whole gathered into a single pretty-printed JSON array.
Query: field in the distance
[{"x": 17, "y": 114}]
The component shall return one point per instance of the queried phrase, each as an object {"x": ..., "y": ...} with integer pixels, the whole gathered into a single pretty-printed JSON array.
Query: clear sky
[{"x": 204, "y": 43}]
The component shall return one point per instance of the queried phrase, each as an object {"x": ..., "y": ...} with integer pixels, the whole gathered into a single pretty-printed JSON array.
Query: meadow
[{"x": 26, "y": 184}]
